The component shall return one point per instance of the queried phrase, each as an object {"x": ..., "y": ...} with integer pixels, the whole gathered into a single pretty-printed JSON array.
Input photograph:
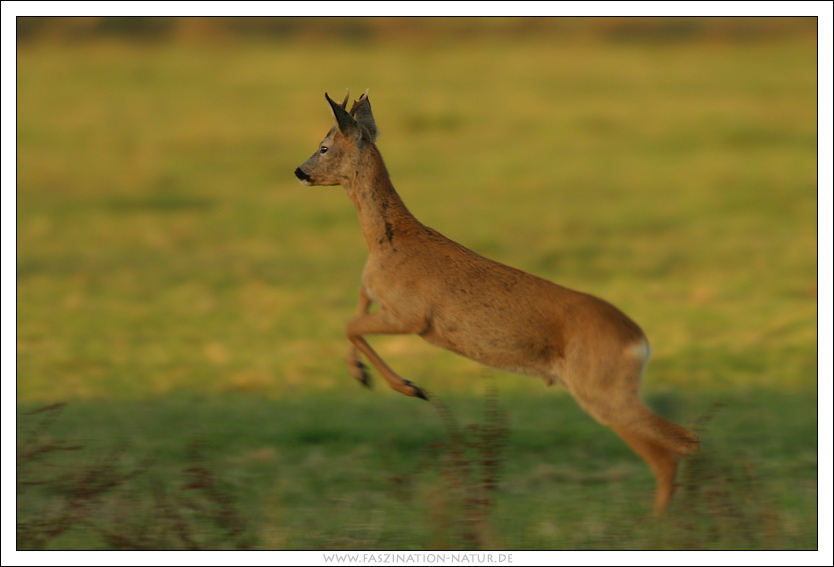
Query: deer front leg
[
  {"x": 355, "y": 366},
  {"x": 379, "y": 323}
]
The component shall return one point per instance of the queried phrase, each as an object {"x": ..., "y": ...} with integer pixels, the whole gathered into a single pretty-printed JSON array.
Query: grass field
[{"x": 186, "y": 297}]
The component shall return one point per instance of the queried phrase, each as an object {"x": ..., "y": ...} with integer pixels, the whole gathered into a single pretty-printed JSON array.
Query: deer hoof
[
  {"x": 416, "y": 392},
  {"x": 364, "y": 376}
]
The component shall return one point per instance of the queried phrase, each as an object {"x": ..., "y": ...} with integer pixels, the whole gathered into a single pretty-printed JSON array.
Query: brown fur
[{"x": 428, "y": 285}]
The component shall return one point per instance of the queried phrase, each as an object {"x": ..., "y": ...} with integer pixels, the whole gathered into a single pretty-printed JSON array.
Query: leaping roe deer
[{"x": 428, "y": 285}]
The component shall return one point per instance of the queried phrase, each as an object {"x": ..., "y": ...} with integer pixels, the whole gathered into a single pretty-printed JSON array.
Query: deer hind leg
[
  {"x": 658, "y": 441},
  {"x": 661, "y": 461},
  {"x": 380, "y": 322}
]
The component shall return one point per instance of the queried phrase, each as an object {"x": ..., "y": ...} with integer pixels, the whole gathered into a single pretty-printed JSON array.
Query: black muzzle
[{"x": 301, "y": 175}]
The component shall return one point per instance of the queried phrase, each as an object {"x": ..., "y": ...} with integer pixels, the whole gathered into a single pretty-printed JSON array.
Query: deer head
[{"x": 341, "y": 149}]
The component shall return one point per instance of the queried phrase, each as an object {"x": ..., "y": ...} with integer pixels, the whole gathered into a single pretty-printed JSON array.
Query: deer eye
[{"x": 323, "y": 150}]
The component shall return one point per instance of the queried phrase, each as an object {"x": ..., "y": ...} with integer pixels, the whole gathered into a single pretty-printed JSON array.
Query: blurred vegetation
[
  {"x": 99, "y": 497},
  {"x": 419, "y": 29},
  {"x": 176, "y": 285},
  {"x": 349, "y": 471}
]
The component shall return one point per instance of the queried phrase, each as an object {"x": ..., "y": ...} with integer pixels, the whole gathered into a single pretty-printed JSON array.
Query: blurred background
[{"x": 185, "y": 297}]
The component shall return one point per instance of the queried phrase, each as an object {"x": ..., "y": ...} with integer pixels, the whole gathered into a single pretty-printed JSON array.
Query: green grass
[
  {"x": 359, "y": 471},
  {"x": 176, "y": 285}
]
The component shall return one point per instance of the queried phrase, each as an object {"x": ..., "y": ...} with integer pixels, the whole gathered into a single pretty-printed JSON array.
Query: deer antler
[
  {"x": 347, "y": 96},
  {"x": 356, "y": 103}
]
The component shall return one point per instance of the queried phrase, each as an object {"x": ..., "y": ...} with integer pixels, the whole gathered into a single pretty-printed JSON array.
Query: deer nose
[{"x": 301, "y": 175}]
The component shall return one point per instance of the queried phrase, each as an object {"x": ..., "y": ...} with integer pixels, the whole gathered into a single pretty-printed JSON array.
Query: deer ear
[
  {"x": 347, "y": 125},
  {"x": 364, "y": 117}
]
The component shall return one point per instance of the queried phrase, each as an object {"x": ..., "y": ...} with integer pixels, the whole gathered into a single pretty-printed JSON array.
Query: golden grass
[{"x": 164, "y": 245}]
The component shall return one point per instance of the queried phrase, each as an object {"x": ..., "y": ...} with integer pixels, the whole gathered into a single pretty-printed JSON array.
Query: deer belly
[{"x": 528, "y": 349}]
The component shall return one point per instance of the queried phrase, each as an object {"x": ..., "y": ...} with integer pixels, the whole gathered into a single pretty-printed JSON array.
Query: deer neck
[{"x": 382, "y": 213}]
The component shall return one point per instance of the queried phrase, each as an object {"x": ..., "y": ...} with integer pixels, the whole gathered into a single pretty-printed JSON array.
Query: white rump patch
[{"x": 640, "y": 350}]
